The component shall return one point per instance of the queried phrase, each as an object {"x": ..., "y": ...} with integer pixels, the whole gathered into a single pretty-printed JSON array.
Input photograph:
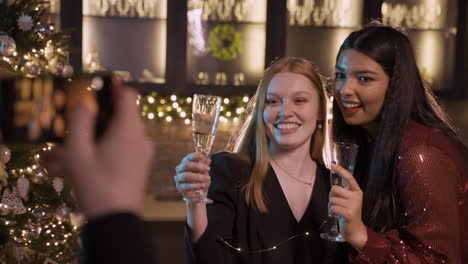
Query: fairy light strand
[
  {"x": 169, "y": 108},
  {"x": 250, "y": 252},
  {"x": 44, "y": 230}
]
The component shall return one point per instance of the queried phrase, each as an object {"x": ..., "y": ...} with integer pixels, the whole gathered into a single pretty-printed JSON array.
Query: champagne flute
[
  {"x": 343, "y": 154},
  {"x": 205, "y": 116}
]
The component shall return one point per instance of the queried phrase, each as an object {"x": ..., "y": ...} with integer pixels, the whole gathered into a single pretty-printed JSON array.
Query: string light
[
  {"x": 171, "y": 108},
  {"x": 249, "y": 252},
  {"x": 54, "y": 229}
]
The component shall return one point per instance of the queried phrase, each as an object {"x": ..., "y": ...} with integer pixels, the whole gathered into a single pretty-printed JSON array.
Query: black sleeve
[
  {"x": 116, "y": 239},
  {"x": 226, "y": 171}
]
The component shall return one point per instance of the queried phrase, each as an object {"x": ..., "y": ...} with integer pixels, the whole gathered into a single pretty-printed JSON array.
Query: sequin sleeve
[{"x": 428, "y": 182}]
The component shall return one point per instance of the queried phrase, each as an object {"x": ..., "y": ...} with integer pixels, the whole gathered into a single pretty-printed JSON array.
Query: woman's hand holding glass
[
  {"x": 347, "y": 203},
  {"x": 192, "y": 176}
]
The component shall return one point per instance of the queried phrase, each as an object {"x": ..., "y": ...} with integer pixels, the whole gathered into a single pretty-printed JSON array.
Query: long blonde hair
[{"x": 252, "y": 141}]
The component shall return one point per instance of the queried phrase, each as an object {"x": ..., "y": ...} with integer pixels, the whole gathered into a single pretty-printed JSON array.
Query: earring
[{"x": 319, "y": 126}]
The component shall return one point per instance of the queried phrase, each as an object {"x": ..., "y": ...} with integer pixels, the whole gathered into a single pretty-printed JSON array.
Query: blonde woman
[{"x": 270, "y": 194}]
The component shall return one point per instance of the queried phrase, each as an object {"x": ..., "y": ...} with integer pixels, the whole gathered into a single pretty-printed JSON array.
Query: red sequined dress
[{"x": 432, "y": 181}]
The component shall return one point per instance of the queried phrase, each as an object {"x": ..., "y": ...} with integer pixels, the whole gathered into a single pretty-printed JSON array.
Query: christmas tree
[
  {"x": 38, "y": 218},
  {"x": 39, "y": 222},
  {"x": 29, "y": 44}
]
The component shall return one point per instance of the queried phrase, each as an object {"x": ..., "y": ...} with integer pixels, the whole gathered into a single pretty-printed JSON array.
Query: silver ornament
[
  {"x": 12, "y": 203},
  {"x": 25, "y": 22},
  {"x": 22, "y": 185},
  {"x": 5, "y": 154},
  {"x": 34, "y": 229},
  {"x": 49, "y": 261},
  {"x": 7, "y": 45},
  {"x": 19, "y": 254},
  {"x": 67, "y": 71},
  {"x": 62, "y": 213},
  {"x": 38, "y": 175},
  {"x": 43, "y": 29},
  {"x": 57, "y": 183}
]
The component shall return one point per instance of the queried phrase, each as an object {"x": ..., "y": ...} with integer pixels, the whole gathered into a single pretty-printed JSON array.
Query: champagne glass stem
[{"x": 335, "y": 224}]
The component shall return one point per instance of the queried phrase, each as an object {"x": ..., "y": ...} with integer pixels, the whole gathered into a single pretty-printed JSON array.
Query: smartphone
[{"x": 34, "y": 110}]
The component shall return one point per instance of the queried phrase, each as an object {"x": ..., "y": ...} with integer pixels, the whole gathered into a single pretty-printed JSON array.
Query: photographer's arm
[{"x": 109, "y": 178}]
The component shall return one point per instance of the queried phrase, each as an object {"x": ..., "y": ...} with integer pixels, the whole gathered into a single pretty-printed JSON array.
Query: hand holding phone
[{"x": 34, "y": 110}]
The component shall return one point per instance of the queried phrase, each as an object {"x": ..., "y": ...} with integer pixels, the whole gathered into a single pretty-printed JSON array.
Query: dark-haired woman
[{"x": 407, "y": 201}]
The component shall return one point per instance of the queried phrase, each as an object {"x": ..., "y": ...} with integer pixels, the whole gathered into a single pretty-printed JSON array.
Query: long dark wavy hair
[{"x": 407, "y": 98}]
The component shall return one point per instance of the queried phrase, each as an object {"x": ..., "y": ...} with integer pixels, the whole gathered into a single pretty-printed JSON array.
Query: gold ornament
[{"x": 32, "y": 69}]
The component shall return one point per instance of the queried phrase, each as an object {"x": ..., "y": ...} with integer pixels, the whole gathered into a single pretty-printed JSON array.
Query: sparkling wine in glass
[
  {"x": 205, "y": 116},
  {"x": 343, "y": 154}
]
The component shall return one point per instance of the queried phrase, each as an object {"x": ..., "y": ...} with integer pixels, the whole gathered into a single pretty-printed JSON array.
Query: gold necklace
[{"x": 295, "y": 178}]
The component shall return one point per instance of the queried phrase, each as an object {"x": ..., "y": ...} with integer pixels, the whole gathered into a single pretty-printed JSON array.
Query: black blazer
[{"x": 231, "y": 219}]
